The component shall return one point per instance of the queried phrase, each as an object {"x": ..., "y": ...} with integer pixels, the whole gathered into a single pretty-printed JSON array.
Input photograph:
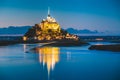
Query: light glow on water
[
  {"x": 19, "y": 62},
  {"x": 48, "y": 56}
]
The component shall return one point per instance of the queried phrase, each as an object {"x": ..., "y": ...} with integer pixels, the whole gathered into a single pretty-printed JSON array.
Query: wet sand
[{"x": 114, "y": 47}]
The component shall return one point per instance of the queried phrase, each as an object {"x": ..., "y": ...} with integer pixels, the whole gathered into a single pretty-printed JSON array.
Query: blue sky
[{"x": 101, "y": 15}]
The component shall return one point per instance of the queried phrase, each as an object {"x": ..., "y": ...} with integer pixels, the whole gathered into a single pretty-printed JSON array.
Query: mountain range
[{"x": 23, "y": 29}]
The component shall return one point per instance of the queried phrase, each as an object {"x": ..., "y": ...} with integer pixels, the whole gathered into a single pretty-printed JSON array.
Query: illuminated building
[
  {"x": 48, "y": 29},
  {"x": 48, "y": 25}
]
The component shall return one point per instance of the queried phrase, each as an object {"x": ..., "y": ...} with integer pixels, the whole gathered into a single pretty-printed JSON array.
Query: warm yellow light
[
  {"x": 49, "y": 25},
  {"x": 24, "y": 38},
  {"x": 99, "y": 39},
  {"x": 48, "y": 56}
]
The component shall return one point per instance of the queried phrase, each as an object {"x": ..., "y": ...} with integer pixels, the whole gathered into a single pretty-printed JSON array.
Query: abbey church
[{"x": 49, "y": 24}]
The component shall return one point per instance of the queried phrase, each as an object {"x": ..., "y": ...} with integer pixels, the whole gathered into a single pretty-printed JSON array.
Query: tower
[{"x": 48, "y": 11}]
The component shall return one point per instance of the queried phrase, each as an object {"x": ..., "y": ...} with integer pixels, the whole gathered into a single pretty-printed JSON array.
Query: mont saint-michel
[
  {"x": 50, "y": 30},
  {"x": 70, "y": 40}
]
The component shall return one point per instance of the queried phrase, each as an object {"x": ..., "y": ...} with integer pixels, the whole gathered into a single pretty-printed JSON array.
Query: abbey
[
  {"x": 48, "y": 29},
  {"x": 49, "y": 24}
]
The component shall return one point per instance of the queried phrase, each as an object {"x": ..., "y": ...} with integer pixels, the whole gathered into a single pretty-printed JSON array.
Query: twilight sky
[{"x": 101, "y": 15}]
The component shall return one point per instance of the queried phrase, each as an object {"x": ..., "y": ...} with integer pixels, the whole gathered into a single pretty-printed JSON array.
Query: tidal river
[{"x": 30, "y": 62}]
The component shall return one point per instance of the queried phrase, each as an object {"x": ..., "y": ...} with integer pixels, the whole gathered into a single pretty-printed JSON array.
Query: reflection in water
[
  {"x": 24, "y": 47},
  {"x": 98, "y": 44},
  {"x": 48, "y": 56},
  {"x": 68, "y": 56}
]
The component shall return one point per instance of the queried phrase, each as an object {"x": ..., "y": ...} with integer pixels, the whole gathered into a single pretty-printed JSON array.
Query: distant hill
[
  {"x": 84, "y": 31},
  {"x": 23, "y": 29},
  {"x": 14, "y": 30}
]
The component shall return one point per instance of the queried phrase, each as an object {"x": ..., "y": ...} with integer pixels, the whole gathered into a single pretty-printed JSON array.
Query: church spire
[{"x": 48, "y": 11}]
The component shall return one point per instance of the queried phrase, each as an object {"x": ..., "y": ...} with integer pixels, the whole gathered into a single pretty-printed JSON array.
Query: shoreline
[
  {"x": 49, "y": 43},
  {"x": 65, "y": 43},
  {"x": 112, "y": 47}
]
